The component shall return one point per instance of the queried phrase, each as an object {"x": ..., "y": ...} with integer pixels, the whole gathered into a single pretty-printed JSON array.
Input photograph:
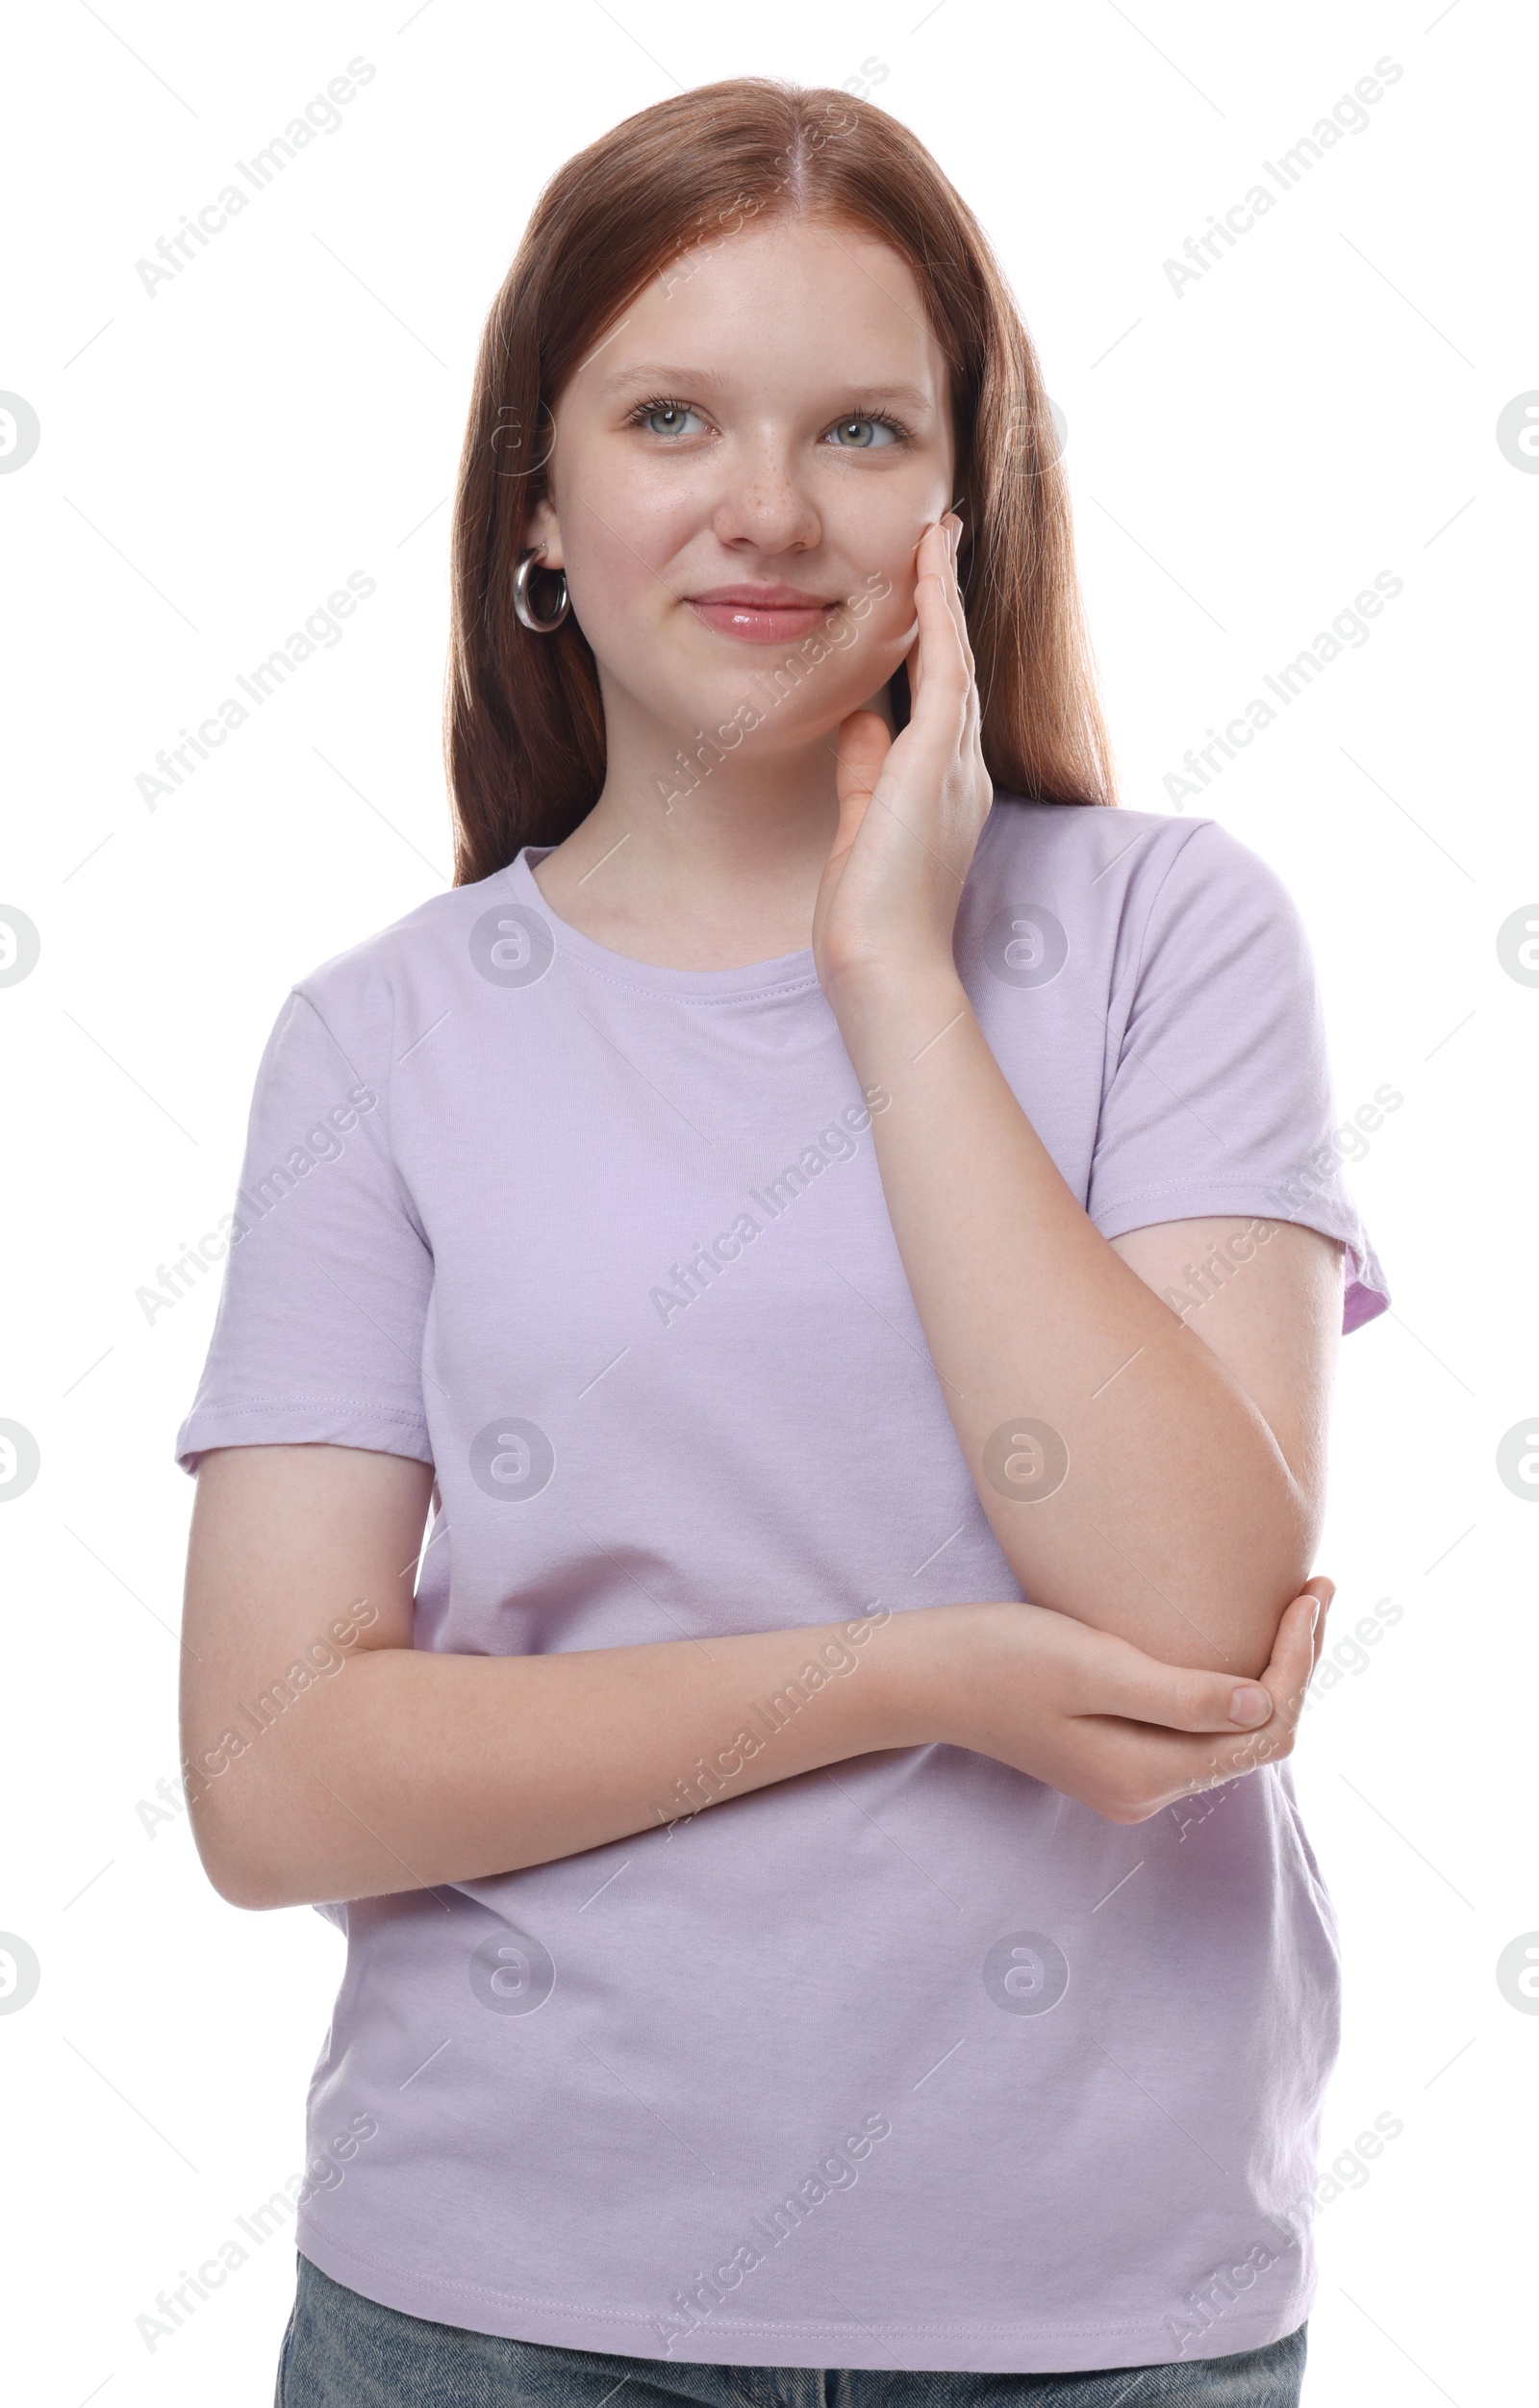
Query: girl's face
[{"x": 762, "y": 438}]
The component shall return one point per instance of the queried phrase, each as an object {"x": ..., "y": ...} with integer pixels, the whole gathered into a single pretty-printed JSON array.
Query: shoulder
[
  {"x": 413, "y": 957},
  {"x": 1088, "y": 841},
  {"x": 1140, "y": 873},
  {"x": 421, "y": 937},
  {"x": 371, "y": 1002}
]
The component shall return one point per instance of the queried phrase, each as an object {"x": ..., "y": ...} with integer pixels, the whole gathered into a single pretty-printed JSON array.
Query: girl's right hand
[{"x": 1097, "y": 1719}]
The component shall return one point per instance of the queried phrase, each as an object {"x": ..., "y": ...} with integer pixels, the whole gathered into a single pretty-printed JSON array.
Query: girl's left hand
[{"x": 911, "y": 810}]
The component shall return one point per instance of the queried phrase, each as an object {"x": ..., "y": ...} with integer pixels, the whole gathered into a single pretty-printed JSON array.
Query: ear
[{"x": 543, "y": 528}]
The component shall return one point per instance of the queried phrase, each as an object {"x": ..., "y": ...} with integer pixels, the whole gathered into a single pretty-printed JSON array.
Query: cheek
[
  {"x": 883, "y": 635},
  {"x": 621, "y": 586},
  {"x": 878, "y": 559},
  {"x": 620, "y": 537},
  {"x": 890, "y": 621},
  {"x": 876, "y": 535}
]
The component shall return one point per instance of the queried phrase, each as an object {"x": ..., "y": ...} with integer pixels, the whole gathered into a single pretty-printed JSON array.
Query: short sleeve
[
  {"x": 1218, "y": 1096},
  {"x": 318, "y": 1334}
]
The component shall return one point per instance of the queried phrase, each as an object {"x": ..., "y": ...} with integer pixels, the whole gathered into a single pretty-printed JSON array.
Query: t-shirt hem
[
  {"x": 339, "y": 1421},
  {"x": 1366, "y": 1294},
  {"x": 959, "y": 2345}
]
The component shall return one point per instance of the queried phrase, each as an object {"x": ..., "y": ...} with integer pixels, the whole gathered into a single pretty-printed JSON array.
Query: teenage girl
[{"x": 831, "y": 1231}]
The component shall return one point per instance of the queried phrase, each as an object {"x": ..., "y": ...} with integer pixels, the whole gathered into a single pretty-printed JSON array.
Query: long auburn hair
[{"x": 524, "y": 734}]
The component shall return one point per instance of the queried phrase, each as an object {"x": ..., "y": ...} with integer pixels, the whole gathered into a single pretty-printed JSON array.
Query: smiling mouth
[{"x": 760, "y": 614}]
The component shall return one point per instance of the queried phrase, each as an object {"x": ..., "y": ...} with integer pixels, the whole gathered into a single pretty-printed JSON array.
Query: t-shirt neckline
[{"x": 785, "y": 974}]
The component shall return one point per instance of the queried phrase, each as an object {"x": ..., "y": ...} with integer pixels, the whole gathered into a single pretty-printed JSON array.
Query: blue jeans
[{"x": 341, "y": 2350}]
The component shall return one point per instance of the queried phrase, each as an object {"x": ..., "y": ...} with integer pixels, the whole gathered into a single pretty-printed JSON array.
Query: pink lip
[{"x": 760, "y": 614}]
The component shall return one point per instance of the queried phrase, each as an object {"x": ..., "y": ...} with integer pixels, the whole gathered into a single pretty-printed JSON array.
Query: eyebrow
[{"x": 670, "y": 374}]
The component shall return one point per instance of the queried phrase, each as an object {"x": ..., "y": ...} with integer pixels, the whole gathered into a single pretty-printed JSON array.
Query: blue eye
[
  {"x": 862, "y": 433},
  {"x": 663, "y": 417}
]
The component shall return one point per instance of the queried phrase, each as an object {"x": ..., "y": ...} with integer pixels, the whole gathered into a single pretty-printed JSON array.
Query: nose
[{"x": 765, "y": 506}]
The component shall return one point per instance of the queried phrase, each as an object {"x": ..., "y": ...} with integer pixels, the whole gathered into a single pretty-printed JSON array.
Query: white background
[{"x": 1245, "y": 457}]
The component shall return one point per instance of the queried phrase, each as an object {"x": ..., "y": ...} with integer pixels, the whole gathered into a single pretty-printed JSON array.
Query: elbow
[
  {"x": 253, "y": 1896},
  {"x": 247, "y": 1835},
  {"x": 259, "y": 1838},
  {"x": 1265, "y": 1579},
  {"x": 1261, "y": 1539},
  {"x": 261, "y": 1852},
  {"x": 238, "y": 1868},
  {"x": 1289, "y": 1559}
]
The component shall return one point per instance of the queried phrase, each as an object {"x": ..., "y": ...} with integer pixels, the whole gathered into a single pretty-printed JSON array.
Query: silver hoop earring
[{"x": 521, "y": 609}]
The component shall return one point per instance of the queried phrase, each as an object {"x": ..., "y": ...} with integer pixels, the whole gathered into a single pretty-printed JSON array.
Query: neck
[{"x": 700, "y": 855}]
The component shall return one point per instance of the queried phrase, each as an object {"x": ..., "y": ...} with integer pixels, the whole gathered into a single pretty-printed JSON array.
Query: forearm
[
  {"x": 414, "y": 1767},
  {"x": 1178, "y": 1524}
]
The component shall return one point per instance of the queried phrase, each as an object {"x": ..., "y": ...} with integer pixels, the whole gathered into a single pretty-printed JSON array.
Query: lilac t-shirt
[{"x": 912, "y": 2062}]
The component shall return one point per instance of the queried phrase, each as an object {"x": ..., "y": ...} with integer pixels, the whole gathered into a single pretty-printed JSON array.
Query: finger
[
  {"x": 972, "y": 735},
  {"x": 1323, "y": 1587},
  {"x": 860, "y": 747},
  {"x": 1175, "y": 1696},
  {"x": 1286, "y": 1676},
  {"x": 1179, "y": 1767},
  {"x": 943, "y": 622},
  {"x": 1162, "y": 1765},
  {"x": 932, "y": 559},
  {"x": 953, "y": 587},
  {"x": 939, "y": 681},
  {"x": 944, "y": 566}
]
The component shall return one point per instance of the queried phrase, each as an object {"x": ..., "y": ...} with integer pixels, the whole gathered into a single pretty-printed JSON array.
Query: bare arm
[
  {"x": 326, "y": 1759},
  {"x": 1191, "y": 1504},
  {"x": 1139, "y": 1475}
]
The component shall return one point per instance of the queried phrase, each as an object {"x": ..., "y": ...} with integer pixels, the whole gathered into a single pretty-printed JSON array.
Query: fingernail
[{"x": 1249, "y": 1707}]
